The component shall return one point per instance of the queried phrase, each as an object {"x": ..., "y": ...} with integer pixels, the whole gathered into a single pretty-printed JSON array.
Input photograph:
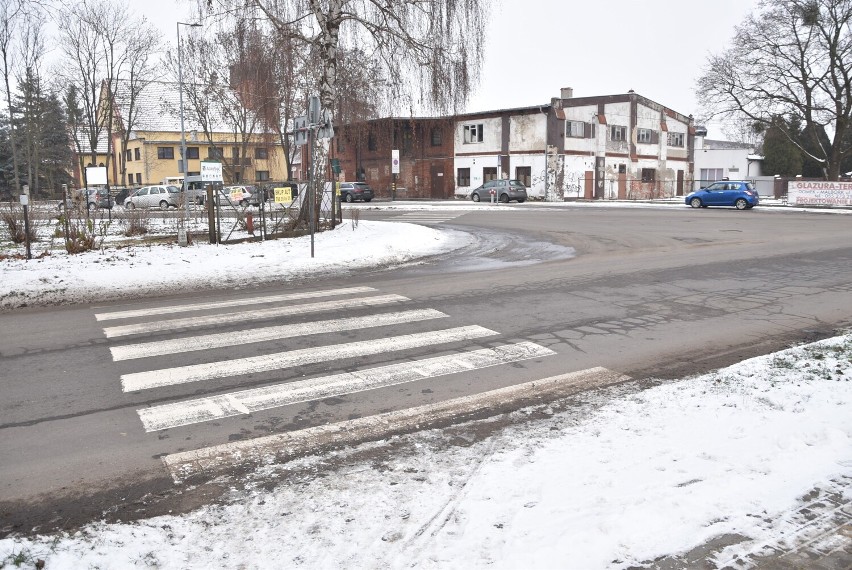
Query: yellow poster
[{"x": 283, "y": 195}]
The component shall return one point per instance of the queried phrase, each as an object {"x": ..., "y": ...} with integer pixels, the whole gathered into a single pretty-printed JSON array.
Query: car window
[
  {"x": 716, "y": 186},
  {"x": 749, "y": 186},
  {"x": 142, "y": 192}
]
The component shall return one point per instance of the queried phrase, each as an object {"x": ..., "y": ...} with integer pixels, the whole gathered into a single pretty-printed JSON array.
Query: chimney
[{"x": 567, "y": 92}]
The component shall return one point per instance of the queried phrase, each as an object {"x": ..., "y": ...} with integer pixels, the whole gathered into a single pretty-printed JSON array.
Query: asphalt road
[{"x": 645, "y": 292}]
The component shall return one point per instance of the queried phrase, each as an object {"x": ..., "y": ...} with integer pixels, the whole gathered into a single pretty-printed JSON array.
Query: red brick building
[{"x": 425, "y": 145}]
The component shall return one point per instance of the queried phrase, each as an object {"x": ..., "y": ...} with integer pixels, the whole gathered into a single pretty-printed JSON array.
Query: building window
[
  {"x": 192, "y": 152},
  {"x": 463, "y": 177},
  {"x": 128, "y": 155},
  {"x": 340, "y": 146},
  {"x": 136, "y": 154},
  {"x": 261, "y": 153},
  {"x": 524, "y": 175},
  {"x": 138, "y": 176},
  {"x": 709, "y": 175},
  {"x": 489, "y": 174},
  {"x": 437, "y": 136},
  {"x": 617, "y": 132},
  {"x": 262, "y": 175},
  {"x": 235, "y": 151},
  {"x": 215, "y": 153},
  {"x": 676, "y": 139},
  {"x": 165, "y": 152},
  {"x": 644, "y": 135},
  {"x": 371, "y": 141},
  {"x": 473, "y": 134},
  {"x": 648, "y": 174},
  {"x": 622, "y": 169},
  {"x": 575, "y": 129}
]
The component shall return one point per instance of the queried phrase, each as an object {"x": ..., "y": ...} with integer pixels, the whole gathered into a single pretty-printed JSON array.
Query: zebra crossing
[
  {"x": 385, "y": 309},
  {"x": 427, "y": 217}
]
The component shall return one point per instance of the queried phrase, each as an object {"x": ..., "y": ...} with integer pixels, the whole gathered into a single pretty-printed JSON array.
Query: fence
[{"x": 621, "y": 187}]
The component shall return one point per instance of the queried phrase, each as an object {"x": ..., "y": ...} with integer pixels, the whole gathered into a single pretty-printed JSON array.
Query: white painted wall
[
  {"x": 491, "y": 140},
  {"x": 527, "y": 133}
]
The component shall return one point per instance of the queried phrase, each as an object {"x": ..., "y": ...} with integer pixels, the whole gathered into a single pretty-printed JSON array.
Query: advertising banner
[{"x": 819, "y": 193}]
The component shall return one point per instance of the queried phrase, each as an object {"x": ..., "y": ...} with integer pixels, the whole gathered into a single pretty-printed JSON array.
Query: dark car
[
  {"x": 351, "y": 191},
  {"x": 502, "y": 190},
  {"x": 737, "y": 193}
]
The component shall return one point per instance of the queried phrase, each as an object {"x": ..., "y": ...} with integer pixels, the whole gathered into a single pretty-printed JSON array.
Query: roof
[
  {"x": 730, "y": 145},
  {"x": 85, "y": 145},
  {"x": 158, "y": 109}
]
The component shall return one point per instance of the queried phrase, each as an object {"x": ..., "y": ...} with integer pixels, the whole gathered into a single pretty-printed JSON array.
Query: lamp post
[{"x": 182, "y": 131}]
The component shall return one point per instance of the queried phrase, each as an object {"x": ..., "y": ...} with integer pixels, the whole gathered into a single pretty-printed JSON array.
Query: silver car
[
  {"x": 154, "y": 196},
  {"x": 502, "y": 190}
]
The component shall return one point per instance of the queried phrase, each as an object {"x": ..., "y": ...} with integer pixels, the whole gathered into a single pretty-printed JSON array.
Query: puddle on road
[{"x": 489, "y": 250}]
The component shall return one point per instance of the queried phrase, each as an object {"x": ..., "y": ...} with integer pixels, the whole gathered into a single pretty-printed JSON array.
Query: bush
[{"x": 14, "y": 220}]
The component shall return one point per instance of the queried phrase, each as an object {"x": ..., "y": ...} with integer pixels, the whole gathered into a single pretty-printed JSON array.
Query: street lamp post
[{"x": 183, "y": 159}]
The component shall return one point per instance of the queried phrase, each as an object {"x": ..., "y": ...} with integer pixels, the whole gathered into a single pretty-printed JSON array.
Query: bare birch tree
[
  {"x": 790, "y": 58},
  {"x": 428, "y": 50}
]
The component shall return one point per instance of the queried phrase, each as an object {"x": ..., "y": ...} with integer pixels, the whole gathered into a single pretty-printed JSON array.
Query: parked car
[
  {"x": 154, "y": 196},
  {"x": 94, "y": 198},
  {"x": 121, "y": 194},
  {"x": 352, "y": 191},
  {"x": 504, "y": 191},
  {"x": 242, "y": 195},
  {"x": 738, "y": 193}
]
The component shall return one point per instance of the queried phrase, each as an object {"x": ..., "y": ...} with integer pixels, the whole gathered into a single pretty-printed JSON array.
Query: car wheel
[
  {"x": 474, "y": 197},
  {"x": 92, "y": 206},
  {"x": 695, "y": 202},
  {"x": 243, "y": 203},
  {"x": 741, "y": 204},
  {"x": 349, "y": 199},
  {"x": 164, "y": 205},
  {"x": 130, "y": 206},
  {"x": 367, "y": 199},
  {"x": 521, "y": 200},
  {"x": 504, "y": 198}
]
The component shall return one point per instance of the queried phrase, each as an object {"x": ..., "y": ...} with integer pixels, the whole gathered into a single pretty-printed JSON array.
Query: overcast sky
[{"x": 535, "y": 47}]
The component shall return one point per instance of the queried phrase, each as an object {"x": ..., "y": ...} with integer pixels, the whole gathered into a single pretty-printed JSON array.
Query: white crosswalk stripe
[
  {"x": 247, "y": 401},
  {"x": 267, "y": 362},
  {"x": 254, "y": 400},
  {"x": 427, "y": 217},
  {"x": 257, "y": 300},
  {"x": 248, "y": 316},
  {"x": 222, "y": 340}
]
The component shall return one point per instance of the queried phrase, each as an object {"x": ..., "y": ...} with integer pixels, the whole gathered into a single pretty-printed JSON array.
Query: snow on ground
[
  {"x": 621, "y": 478},
  {"x": 110, "y": 273},
  {"x": 625, "y": 477}
]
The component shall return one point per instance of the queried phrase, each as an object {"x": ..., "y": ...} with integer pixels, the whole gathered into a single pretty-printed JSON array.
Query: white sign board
[
  {"x": 96, "y": 175},
  {"x": 819, "y": 193},
  {"x": 211, "y": 171},
  {"x": 395, "y": 161}
]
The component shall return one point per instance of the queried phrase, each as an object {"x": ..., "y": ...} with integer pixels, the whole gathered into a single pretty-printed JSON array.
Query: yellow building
[{"x": 149, "y": 152}]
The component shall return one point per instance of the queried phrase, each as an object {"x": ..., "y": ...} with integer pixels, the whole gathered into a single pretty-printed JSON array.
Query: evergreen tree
[{"x": 781, "y": 157}]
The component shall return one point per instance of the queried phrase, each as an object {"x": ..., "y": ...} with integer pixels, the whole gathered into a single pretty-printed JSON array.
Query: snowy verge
[
  {"x": 616, "y": 479},
  {"x": 135, "y": 271}
]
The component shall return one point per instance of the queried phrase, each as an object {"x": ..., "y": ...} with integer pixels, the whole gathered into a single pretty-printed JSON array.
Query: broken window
[
  {"x": 473, "y": 133},
  {"x": 463, "y": 177},
  {"x": 676, "y": 139},
  {"x": 617, "y": 132}
]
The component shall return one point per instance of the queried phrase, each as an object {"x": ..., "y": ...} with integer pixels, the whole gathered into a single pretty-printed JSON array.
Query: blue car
[{"x": 737, "y": 193}]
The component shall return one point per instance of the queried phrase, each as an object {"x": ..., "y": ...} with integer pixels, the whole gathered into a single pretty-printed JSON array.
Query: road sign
[{"x": 300, "y": 130}]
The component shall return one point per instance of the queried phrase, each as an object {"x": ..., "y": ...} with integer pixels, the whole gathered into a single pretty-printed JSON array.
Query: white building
[
  {"x": 716, "y": 159},
  {"x": 602, "y": 147}
]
